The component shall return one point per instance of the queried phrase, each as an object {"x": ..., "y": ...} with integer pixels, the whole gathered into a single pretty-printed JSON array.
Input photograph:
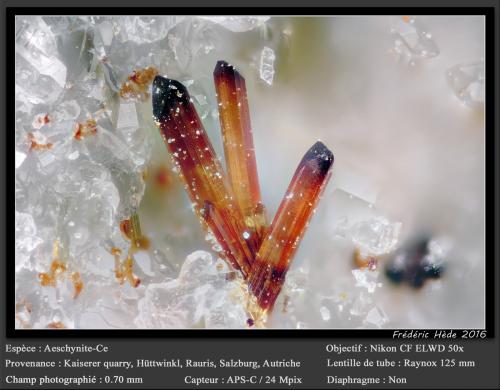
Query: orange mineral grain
[
  {"x": 56, "y": 325},
  {"x": 163, "y": 179},
  {"x": 85, "y": 129},
  {"x": 131, "y": 230},
  {"x": 36, "y": 145},
  {"x": 57, "y": 269},
  {"x": 124, "y": 271},
  {"x": 361, "y": 261},
  {"x": 40, "y": 121},
  {"x": 77, "y": 284},
  {"x": 126, "y": 229},
  {"x": 137, "y": 84}
]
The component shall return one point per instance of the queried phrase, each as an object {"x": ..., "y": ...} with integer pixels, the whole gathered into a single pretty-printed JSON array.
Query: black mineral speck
[
  {"x": 414, "y": 264},
  {"x": 167, "y": 94}
]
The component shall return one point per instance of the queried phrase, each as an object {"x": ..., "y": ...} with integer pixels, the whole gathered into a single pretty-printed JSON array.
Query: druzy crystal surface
[{"x": 232, "y": 209}]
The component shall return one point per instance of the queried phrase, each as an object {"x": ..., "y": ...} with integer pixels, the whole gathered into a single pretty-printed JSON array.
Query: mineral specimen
[
  {"x": 58, "y": 269},
  {"x": 238, "y": 146},
  {"x": 194, "y": 156},
  {"x": 289, "y": 224},
  {"x": 37, "y": 144},
  {"x": 131, "y": 230},
  {"x": 231, "y": 207},
  {"x": 137, "y": 84},
  {"x": 83, "y": 130},
  {"x": 194, "y": 298}
]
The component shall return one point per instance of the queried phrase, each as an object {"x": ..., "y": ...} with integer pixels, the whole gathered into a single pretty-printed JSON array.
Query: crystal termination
[{"x": 230, "y": 206}]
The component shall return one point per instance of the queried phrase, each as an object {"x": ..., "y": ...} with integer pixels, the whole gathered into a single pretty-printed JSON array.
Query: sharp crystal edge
[
  {"x": 289, "y": 224},
  {"x": 239, "y": 149},
  {"x": 232, "y": 207},
  {"x": 195, "y": 158}
]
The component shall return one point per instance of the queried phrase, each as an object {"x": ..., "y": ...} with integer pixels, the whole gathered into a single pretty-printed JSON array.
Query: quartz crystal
[
  {"x": 376, "y": 317},
  {"x": 235, "y": 215},
  {"x": 238, "y": 23},
  {"x": 412, "y": 41},
  {"x": 267, "y": 58},
  {"x": 35, "y": 43},
  {"x": 376, "y": 236},
  {"x": 84, "y": 139},
  {"x": 363, "y": 227},
  {"x": 366, "y": 278},
  {"x": 145, "y": 29},
  {"x": 467, "y": 83},
  {"x": 200, "y": 296},
  {"x": 325, "y": 313},
  {"x": 26, "y": 239}
]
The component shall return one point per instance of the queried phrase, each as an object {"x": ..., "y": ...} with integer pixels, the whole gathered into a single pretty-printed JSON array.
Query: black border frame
[{"x": 11, "y": 12}]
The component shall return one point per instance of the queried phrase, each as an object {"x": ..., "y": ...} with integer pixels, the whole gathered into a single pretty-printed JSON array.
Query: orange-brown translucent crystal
[
  {"x": 218, "y": 220},
  {"x": 232, "y": 208},
  {"x": 289, "y": 224},
  {"x": 198, "y": 165},
  {"x": 238, "y": 147}
]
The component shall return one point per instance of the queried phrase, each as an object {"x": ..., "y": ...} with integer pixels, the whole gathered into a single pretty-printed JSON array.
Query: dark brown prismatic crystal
[
  {"x": 195, "y": 158},
  {"x": 231, "y": 207},
  {"x": 238, "y": 147},
  {"x": 289, "y": 224}
]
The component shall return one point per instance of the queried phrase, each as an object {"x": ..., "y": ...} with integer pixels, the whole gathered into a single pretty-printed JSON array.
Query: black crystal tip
[
  {"x": 222, "y": 67},
  {"x": 167, "y": 93},
  {"x": 320, "y": 155}
]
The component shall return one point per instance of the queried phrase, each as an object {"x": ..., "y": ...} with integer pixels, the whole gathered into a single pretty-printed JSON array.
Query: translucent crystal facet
[
  {"x": 36, "y": 44},
  {"x": 289, "y": 224},
  {"x": 238, "y": 23},
  {"x": 238, "y": 147},
  {"x": 467, "y": 83},
  {"x": 267, "y": 58},
  {"x": 376, "y": 236},
  {"x": 201, "y": 295},
  {"x": 192, "y": 152},
  {"x": 232, "y": 209},
  {"x": 412, "y": 41}
]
